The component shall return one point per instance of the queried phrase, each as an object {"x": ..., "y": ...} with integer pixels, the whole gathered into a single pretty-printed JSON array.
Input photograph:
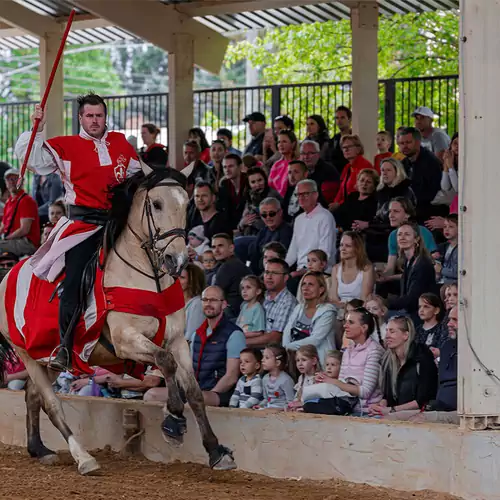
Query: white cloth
[
  {"x": 322, "y": 390},
  {"x": 349, "y": 291},
  {"x": 41, "y": 160},
  {"x": 313, "y": 231}
]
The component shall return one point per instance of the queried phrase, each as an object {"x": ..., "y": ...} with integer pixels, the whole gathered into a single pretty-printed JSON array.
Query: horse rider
[{"x": 89, "y": 164}]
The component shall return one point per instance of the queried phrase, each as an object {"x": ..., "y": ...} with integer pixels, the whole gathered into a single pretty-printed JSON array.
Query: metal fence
[{"x": 217, "y": 108}]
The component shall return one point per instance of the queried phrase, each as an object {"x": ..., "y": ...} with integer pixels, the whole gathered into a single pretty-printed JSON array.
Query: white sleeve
[
  {"x": 328, "y": 238},
  {"x": 41, "y": 160},
  {"x": 445, "y": 181},
  {"x": 453, "y": 179},
  {"x": 292, "y": 254},
  {"x": 133, "y": 167}
]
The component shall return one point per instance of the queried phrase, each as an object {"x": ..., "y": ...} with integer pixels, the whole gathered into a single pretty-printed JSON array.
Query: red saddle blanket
[{"x": 33, "y": 309}]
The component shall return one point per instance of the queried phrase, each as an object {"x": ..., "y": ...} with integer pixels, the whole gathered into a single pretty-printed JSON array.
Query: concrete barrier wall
[{"x": 397, "y": 455}]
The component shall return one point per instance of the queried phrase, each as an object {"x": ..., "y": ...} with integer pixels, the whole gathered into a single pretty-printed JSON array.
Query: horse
[{"x": 146, "y": 250}]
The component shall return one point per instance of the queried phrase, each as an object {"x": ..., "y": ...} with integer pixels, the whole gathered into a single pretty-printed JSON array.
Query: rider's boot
[{"x": 67, "y": 322}]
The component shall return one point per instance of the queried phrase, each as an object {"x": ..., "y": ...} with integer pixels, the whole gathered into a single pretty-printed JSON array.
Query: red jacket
[{"x": 349, "y": 178}]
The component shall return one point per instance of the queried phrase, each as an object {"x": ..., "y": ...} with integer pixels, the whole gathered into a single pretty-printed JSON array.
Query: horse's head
[{"x": 158, "y": 217}]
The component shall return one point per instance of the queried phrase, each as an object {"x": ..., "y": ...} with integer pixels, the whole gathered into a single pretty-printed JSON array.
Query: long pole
[{"x": 46, "y": 95}]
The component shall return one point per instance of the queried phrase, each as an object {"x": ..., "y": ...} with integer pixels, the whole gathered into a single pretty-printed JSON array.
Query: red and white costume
[{"x": 88, "y": 167}]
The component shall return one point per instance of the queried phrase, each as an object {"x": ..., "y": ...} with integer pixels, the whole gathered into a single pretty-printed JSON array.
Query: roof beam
[
  {"x": 158, "y": 25},
  {"x": 25, "y": 19}
]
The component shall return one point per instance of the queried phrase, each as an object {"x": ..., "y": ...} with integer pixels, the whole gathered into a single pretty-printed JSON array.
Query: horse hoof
[
  {"x": 176, "y": 442},
  {"x": 51, "y": 459},
  {"x": 173, "y": 429},
  {"x": 222, "y": 459},
  {"x": 88, "y": 467}
]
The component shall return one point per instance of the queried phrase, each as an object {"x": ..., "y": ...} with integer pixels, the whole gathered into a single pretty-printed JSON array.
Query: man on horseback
[{"x": 89, "y": 164}]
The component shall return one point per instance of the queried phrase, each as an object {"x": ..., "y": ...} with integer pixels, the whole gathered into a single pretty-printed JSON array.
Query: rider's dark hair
[{"x": 93, "y": 100}]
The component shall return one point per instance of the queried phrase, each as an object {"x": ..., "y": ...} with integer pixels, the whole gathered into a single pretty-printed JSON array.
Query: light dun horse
[{"x": 155, "y": 221}]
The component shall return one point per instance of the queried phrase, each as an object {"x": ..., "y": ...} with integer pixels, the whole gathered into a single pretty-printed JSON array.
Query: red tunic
[{"x": 27, "y": 209}]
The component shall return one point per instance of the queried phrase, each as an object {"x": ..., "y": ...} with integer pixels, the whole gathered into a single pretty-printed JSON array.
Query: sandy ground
[{"x": 136, "y": 478}]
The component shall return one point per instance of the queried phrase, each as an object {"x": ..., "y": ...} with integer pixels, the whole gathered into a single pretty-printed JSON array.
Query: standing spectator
[
  {"x": 353, "y": 152},
  {"x": 257, "y": 127},
  {"x": 20, "y": 228},
  {"x": 192, "y": 280},
  {"x": 323, "y": 173},
  {"x": 233, "y": 189},
  {"x": 204, "y": 212},
  {"x": 278, "y": 303},
  {"x": 278, "y": 175},
  {"x": 46, "y": 190},
  {"x": 152, "y": 153},
  {"x": 434, "y": 139},
  {"x": 224, "y": 134},
  {"x": 311, "y": 322},
  {"x": 384, "y": 143},
  {"x": 280, "y": 123},
  {"x": 229, "y": 273},
  {"x": 448, "y": 252},
  {"x": 196, "y": 134},
  {"x": 423, "y": 169},
  {"x": 217, "y": 153},
  {"x": 334, "y": 153},
  {"x": 216, "y": 346},
  {"x": 201, "y": 171},
  {"x": 317, "y": 131},
  {"x": 418, "y": 271},
  {"x": 313, "y": 230}
]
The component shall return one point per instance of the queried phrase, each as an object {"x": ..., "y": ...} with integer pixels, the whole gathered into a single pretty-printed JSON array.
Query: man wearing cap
[
  {"x": 20, "y": 228},
  {"x": 434, "y": 139},
  {"x": 257, "y": 128}
]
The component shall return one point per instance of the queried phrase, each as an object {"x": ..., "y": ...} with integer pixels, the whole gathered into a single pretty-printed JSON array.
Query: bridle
[{"x": 155, "y": 255}]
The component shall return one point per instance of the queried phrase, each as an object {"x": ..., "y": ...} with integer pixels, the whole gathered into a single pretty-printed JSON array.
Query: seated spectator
[
  {"x": 209, "y": 265},
  {"x": 233, "y": 189},
  {"x": 324, "y": 174},
  {"x": 20, "y": 228},
  {"x": 418, "y": 272},
  {"x": 224, "y": 134},
  {"x": 197, "y": 135},
  {"x": 252, "y": 317},
  {"x": 8, "y": 260},
  {"x": 408, "y": 377},
  {"x": 398, "y": 154},
  {"x": 313, "y": 229},
  {"x": 272, "y": 250},
  {"x": 249, "y": 162},
  {"x": 360, "y": 207},
  {"x": 451, "y": 296},
  {"x": 317, "y": 131},
  {"x": 197, "y": 243},
  {"x": 192, "y": 280},
  {"x": 278, "y": 175},
  {"x": 129, "y": 387},
  {"x": 447, "y": 261},
  {"x": 431, "y": 332},
  {"x": 230, "y": 271},
  {"x": 217, "y": 153},
  {"x": 56, "y": 211},
  {"x": 321, "y": 387},
  {"x": 297, "y": 171},
  {"x": 311, "y": 322},
  {"x": 384, "y": 143},
  {"x": 275, "y": 229},
  {"x": 249, "y": 390},
  {"x": 278, "y": 304},
  {"x": 375, "y": 305},
  {"x": 353, "y": 152},
  {"x": 201, "y": 171},
  {"x": 317, "y": 262},
  {"x": 435, "y": 140},
  {"x": 257, "y": 127},
  {"x": 46, "y": 190},
  {"x": 280, "y": 123},
  {"x": 152, "y": 153},
  {"x": 424, "y": 171},
  {"x": 334, "y": 153},
  {"x": 15, "y": 375},
  {"x": 307, "y": 364},
  {"x": 204, "y": 212},
  {"x": 251, "y": 222}
]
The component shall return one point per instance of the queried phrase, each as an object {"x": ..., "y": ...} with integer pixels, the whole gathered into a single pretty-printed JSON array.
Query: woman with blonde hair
[
  {"x": 311, "y": 322},
  {"x": 408, "y": 376}
]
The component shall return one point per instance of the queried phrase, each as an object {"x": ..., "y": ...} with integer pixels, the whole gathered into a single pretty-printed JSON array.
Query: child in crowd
[
  {"x": 384, "y": 143},
  {"x": 248, "y": 392},
  {"x": 56, "y": 211},
  {"x": 432, "y": 332},
  {"x": 447, "y": 263},
  {"x": 307, "y": 363},
  {"x": 198, "y": 244},
  {"x": 15, "y": 375},
  {"x": 317, "y": 261},
  {"x": 375, "y": 305},
  {"x": 208, "y": 261},
  {"x": 252, "y": 318},
  {"x": 273, "y": 250},
  {"x": 277, "y": 384},
  {"x": 450, "y": 296}
]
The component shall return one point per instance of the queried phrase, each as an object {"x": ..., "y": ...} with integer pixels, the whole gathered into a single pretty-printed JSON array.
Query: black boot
[{"x": 62, "y": 361}]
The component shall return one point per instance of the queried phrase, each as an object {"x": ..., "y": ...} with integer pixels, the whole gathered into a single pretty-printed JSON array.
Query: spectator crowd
[{"x": 319, "y": 280}]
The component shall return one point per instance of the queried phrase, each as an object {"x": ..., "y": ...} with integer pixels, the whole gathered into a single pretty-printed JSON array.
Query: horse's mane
[{"x": 123, "y": 197}]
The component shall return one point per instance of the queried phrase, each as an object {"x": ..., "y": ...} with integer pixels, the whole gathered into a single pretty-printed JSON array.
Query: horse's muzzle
[{"x": 174, "y": 264}]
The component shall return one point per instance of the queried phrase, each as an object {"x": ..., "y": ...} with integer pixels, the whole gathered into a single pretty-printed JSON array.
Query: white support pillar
[
  {"x": 49, "y": 45},
  {"x": 364, "y": 25},
  {"x": 180, "y": 96},
  {"x": 479, "y": 335}
]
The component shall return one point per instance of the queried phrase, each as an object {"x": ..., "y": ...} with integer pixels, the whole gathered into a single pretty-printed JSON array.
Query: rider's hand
[{"x": 39, "y": 114}]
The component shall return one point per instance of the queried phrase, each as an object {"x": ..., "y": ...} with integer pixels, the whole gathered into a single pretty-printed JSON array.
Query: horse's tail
[{"x": 7, "y": 355}]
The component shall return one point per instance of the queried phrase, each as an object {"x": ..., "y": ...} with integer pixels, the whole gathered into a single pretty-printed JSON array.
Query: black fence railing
[{"x": 223, "y": 107}]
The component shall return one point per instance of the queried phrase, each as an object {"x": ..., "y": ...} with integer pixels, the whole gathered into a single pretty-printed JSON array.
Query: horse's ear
[
  {"x": 145, "y": 168},
  {"x": 187, "y": 171}
]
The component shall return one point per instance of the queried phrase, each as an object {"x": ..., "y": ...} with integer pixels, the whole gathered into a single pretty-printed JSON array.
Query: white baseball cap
[
  {"x": 11, "y": 171},
  {"x": 424, "y": 111}
]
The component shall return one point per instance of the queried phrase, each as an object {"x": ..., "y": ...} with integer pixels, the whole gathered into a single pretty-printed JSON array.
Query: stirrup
[{"x": 57, "y": 365}]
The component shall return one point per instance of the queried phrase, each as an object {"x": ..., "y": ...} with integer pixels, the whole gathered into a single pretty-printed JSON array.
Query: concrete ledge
[{"x": 396, "y": 455}]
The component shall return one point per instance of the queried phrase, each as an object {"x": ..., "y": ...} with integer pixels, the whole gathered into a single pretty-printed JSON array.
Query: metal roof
[{"x": 225, "y": 24}]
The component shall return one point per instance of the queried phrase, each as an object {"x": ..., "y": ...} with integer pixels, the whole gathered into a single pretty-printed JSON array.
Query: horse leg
[
  {"x": 36, "y": 448},
  {"x": 220, "y": 457},
  {"x": 52, "y": 406}
]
